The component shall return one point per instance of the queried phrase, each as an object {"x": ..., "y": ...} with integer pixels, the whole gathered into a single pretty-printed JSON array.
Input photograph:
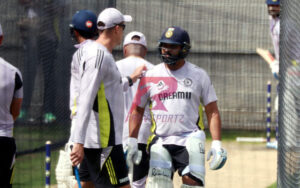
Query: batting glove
[
  {"x": 133, "y": 154},
  {"x": 218, "y": 154},
  {"x": 274, "y": 66}
]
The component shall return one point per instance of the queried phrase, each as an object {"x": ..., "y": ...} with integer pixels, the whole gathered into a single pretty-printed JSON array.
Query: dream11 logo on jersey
[{"x": 162, "y": 87}]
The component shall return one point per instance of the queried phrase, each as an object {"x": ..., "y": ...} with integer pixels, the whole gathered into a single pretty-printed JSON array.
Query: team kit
[{"x": 134, "y": 124}]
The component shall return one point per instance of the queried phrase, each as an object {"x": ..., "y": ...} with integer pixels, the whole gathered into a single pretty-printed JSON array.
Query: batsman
[{"x": 176, "y": 89}]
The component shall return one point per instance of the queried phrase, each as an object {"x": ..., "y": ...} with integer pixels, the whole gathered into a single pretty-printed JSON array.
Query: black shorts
[
  {"x": 104, "y": 167},
  {"x": 141, "y": 170},
  {"x": 7, "y": 159},
  {"x": 180, "y": 158}
]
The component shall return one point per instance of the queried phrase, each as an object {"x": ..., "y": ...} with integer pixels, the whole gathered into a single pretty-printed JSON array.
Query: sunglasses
[{"x": 123, "y": 26}]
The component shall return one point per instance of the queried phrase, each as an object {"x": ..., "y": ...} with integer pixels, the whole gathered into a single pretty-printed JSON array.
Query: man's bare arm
[
  {"x": 214, "y": 120},
  {"x": 135, "y": 121},
  {"x": 15, "y": 107}
]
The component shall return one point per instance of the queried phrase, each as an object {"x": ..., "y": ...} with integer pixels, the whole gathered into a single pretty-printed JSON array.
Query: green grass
[
  {"x": 30, "y": 137},
  {"x": 30, "y": 170},
  {"x": 274, "y": 185}
]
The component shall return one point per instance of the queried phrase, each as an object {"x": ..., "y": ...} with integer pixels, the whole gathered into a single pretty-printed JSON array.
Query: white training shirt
[
  {"x": 126, "y": 67},
  {"x": 275, "y": 31},
  {"x": 100, "y": 91},
  {"x": 175, "y": 97},
  {"x": 10, "y": 87},
  {"x": 78, "y": 60}
]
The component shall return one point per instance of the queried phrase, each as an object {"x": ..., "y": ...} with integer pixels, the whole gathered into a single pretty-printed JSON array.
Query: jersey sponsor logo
[
  {"x": 158, "y": 85},
  {"x": 175, "y": 95}
]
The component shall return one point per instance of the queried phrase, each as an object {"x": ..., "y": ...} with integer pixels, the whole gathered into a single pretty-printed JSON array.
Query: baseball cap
[
  {"x": 273, "y": 2},
  {"x": 111, "y": 17},
  {"x": 129, "y": 39},
  {"x": 84, "y": 20},
  {"x": 1, "y": 32}
]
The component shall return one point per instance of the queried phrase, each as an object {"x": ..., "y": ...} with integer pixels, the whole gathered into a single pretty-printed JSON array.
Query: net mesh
[
  {"x": 289, "y": 96},
  {"x": 224, "y": 36}
]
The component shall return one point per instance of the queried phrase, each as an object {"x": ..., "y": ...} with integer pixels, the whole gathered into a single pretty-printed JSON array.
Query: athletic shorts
[
  {"x": 104, "y": 167},
  {"x": 7, "y": 160},
  {"x": 180, "y": 159},
  {"x": 141, "y": 170}
]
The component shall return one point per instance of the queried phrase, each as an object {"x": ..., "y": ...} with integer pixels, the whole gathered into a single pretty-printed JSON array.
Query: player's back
[{"x": 126, "y": 67}]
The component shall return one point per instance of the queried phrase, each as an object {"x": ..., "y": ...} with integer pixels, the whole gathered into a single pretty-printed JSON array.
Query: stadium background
[{"x": 224, "y": 36}]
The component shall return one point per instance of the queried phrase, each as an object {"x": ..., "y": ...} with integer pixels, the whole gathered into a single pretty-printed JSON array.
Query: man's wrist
[
  {"x": 216, "y": 144},
  {"x": 130, "y": 81}
]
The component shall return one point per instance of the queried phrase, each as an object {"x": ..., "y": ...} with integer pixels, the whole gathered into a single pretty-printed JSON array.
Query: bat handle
[{"x": 77, "y": 176}]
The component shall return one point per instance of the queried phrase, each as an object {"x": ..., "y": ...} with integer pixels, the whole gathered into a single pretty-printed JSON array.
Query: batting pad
[
  {"x": 64, "y": 171},
  {"x": 159, "y": 182}
]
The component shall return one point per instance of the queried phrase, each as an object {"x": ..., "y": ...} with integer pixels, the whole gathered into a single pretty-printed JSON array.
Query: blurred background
[{"x": 224, "y": 37}]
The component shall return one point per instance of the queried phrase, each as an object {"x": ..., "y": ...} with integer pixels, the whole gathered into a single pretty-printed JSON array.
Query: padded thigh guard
[
  {"x": 64, "y": 171},
  {"x": 195, "y": 145},
  {"x": 160, "y": 171}
]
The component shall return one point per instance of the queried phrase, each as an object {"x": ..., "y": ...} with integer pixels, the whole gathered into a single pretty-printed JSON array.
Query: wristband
[{"x": 129, "y": 81}]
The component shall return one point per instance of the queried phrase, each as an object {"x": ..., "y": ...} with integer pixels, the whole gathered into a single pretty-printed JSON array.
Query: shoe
[
  {"x": 22, "y": 114},
  {"x": 273, "y": 145},
  {"x": 49, "y": 118}
]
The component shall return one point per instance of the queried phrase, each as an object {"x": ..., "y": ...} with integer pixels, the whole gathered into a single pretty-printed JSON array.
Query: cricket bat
[{"x": 266, "y": 55}]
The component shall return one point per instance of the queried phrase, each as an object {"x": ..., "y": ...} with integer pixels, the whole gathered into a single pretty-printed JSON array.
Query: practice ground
[{"x": 249, "y": 165}]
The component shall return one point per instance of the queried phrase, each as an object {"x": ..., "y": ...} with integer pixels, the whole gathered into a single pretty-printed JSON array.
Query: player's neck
[
  {"x": 137, "y": 56},
  {"x": 177, "y": 66},
  {"x": 107, "y": 42}
]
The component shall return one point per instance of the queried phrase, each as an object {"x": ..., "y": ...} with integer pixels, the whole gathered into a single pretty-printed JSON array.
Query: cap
[
  {"x": 175, "y": 35},
  {"x": 129, "y": 39},
  {"x": 273, "y": 2},
  {"x": 84, "y": 20},
  {"x": 111, "y": 17},
  {"x": 1, "y": 32}
]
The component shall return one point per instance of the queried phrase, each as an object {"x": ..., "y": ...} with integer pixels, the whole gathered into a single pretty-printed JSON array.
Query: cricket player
[
  {"x": 11, "y": 92},
  {"x": 83, "y": 29},
  {"x": 176, "y": 88},
  {"x": 101, "y": 99},
  {"x": 274, "y": 12},
  {"x": 134, "y": 50}
]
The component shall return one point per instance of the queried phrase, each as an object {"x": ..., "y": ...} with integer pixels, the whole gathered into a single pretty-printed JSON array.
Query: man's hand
[
  {"x": 77, "y": 154},
  {"x": 137, "y": 73},
  {"x": 134, "y": 156},
  {"x": 219, "y": 155}
]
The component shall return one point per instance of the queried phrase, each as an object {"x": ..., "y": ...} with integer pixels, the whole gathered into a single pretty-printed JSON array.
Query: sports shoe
[
  {"x": 22, "y": 115},
  {"x": 49, "y": 118}
]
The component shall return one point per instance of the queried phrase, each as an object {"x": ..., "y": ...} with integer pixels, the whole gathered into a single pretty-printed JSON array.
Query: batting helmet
[
  {"x": 177, "y": 36},
  {"x": 273, "y": 2},
  {"x": 85, "y": 22}
]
